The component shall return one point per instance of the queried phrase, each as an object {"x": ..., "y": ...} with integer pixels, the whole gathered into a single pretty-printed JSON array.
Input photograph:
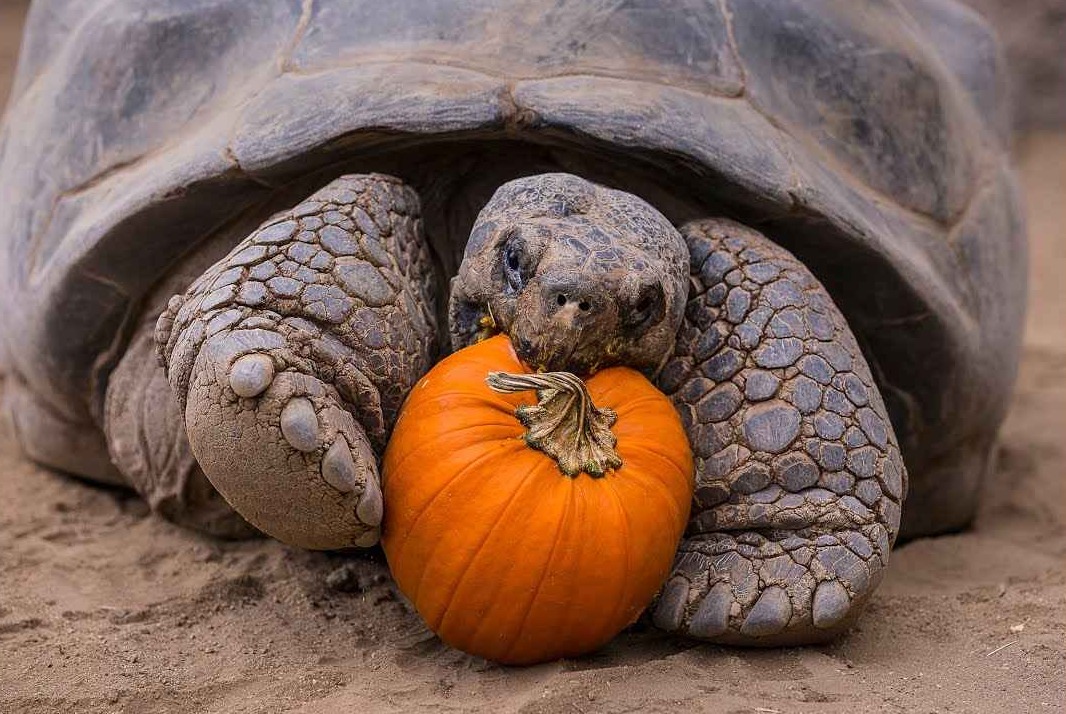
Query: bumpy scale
[
  {"x": 291, "y": 357},
  {"x": 799, "y": 478}
]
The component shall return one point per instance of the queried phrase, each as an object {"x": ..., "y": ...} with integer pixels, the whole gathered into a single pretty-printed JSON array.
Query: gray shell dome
[{"x": 868, "y": 138}]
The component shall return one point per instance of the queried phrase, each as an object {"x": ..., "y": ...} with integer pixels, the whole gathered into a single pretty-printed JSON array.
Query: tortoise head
[{"x": 580, "y": 276}]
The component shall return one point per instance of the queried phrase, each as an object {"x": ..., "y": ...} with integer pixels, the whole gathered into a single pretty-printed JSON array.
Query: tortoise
[{"x": 237, "y": 232}]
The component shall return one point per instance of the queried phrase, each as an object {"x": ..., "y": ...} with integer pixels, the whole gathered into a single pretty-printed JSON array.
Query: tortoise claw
[
  {"x": 251, "y": 375},
  {"x": 292, "y": 355},
  {"x": 712, "y": 615},
  {"x": 299, "y": 424},
  {"x": 292, "y": 458},
  {"x": 670, "y": 609},
  {"x": 770, "y": 614},
  {"x": 750, "y": 590},
  {"x": 831, "y": 604}
]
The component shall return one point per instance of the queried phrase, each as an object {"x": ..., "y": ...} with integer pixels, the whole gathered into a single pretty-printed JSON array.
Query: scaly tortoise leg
[
  {"x": 291, "y": 357},
  {"x": 799, "y": 478},
  {"x": 147, "y": 442}
]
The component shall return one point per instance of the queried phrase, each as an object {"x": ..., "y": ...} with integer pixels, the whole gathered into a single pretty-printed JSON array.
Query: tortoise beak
[{"x": 564, "y": 326}]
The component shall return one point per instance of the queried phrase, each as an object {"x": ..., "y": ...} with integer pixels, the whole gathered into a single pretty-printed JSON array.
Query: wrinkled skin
[
  {"x": 579, "y": 276},
  {"x": 291, "y": 356},
  {"x": 290, "y": 359}
]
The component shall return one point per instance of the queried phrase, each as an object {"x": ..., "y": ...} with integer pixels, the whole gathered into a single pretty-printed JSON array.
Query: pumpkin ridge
[
  {"x": 523, "y": 483},
  {"x": 503, "y": 576},
  {"x": 658, "y": 485},
  {"x": 615, "y": 384},
  {"x": 635, "y": 406},
  {"x": 570, "y": 559},
  {"x": 647, "y": 448},
  {"x": 597, "y": 518},
  {"x": 474, "y": 365},
  {"x": 490, "y": 436},
  {"x": 573, "y": 559},
  {"x": 626, "y": 532},
  {"x": 477, "y": 400},
  {"x": 540, "y": 581},
  {"x": 414, "y": 522}
]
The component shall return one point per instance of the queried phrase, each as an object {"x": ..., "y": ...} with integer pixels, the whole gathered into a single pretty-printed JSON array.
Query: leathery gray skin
[{"x": 292, "y": 355}]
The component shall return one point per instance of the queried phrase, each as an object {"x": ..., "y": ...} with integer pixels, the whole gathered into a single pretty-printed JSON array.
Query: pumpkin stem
[{"x": 564, "y": 424}]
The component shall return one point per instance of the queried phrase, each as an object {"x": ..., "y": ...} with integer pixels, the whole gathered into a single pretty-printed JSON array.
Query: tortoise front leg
[
  {"x": 147, "y": 442},
  {"x": 799, "y": 478},
  {"x": 291, "y": 357}
]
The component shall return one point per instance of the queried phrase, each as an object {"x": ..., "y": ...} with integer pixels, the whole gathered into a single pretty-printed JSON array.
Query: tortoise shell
[{"x": 868, "y": 138}]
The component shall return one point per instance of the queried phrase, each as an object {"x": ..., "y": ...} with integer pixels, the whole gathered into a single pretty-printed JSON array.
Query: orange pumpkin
[{"x": 504, "y": 555}]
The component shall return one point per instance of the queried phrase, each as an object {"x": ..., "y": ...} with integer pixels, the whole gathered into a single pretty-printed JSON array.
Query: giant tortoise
[{"x": 230, "y": 226}]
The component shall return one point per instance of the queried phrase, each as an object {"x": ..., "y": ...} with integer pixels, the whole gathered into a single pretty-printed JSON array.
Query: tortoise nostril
[{"x": 568, "y": 296}]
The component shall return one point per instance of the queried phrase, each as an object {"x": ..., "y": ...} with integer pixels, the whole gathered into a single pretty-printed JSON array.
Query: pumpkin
[{"x": 523, "y": 532}]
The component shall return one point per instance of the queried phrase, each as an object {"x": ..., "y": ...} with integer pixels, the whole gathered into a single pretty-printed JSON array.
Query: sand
[{"x": 106, "y": 608}]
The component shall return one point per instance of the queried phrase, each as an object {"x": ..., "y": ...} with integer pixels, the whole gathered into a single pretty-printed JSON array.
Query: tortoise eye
[
  {"x": 512, "y": 259},
  {"x": 514, "y": 270},
  {"x": 646, "y": 310}
]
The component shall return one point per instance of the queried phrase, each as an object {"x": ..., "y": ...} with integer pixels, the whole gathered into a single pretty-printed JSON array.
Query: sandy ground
[{"x": 104, "y": 607}]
